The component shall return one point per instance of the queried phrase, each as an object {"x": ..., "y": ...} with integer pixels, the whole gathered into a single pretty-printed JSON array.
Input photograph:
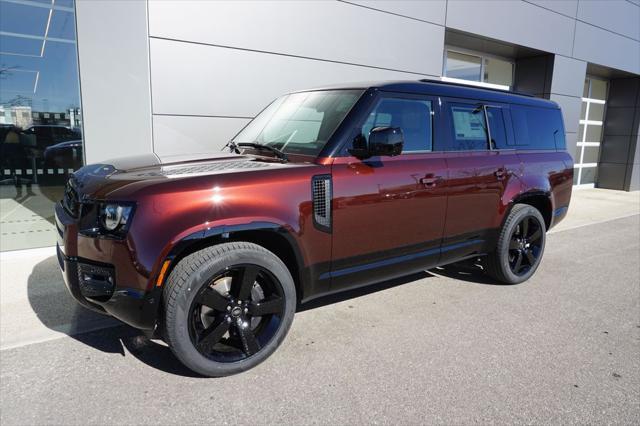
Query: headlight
[{"x": 114, "y": 216}]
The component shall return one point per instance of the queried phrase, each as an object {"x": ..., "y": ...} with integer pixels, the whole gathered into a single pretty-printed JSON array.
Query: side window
[
  {"x": 496, "y": 128},
  {"x": 520, "y": 125},
  {"x": 469, "y": 128},
  {"x": 413, "y": 116},
  {"x": 538, "y": 128}
]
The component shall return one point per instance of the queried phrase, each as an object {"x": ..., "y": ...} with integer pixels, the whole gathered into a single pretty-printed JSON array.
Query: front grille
[
  {"x": 321, "y": 187},
  {"x": 205, "y": 168},
  {"x": 70, "y": 200}
]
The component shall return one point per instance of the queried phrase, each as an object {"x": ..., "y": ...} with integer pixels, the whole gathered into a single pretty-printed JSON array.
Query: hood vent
[
  {"x": 199, "y": 169},
  {"x": 321, "y": 190}
]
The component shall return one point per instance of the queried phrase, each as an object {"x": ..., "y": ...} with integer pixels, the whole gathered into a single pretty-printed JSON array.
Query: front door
[{"x": 388, "y": 212}]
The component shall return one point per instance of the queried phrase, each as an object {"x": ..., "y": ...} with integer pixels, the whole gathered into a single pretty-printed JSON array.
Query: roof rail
[{"x": 478, "y": 84}]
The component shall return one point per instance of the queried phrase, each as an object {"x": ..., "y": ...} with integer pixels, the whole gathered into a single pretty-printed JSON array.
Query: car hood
[{"x": 123, "y": 177}]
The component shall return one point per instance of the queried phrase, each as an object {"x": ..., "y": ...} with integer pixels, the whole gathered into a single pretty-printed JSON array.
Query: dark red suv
[{"x": 325, "y": 190}]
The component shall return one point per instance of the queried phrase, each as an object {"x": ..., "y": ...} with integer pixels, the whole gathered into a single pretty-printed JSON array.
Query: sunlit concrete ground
[{"x": 443, "y": 347}]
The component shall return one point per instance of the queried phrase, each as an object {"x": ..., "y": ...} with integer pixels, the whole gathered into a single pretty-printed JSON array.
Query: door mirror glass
[{"x": 383, "y": 141}]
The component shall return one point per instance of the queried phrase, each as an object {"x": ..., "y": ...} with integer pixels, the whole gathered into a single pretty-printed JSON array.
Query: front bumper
[{"x": 94, "y": 282}]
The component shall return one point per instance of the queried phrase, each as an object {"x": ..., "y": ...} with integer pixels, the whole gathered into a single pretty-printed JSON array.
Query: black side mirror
[{"x": 383, "y": 141}]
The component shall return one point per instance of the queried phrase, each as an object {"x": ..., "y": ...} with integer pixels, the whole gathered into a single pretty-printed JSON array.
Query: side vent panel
[{"x": 321, "y": 190}]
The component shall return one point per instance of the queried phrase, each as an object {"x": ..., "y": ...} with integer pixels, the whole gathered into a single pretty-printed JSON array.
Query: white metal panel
[
  {"x": 194, "y": 79},
  {"x": 513, "y": 21},
  {"x": 619, "y": 16},
  {"x": 602, "y": 47},
  {"x": 193, "y": 135},
  {"x": 333, "y": 31},
  {"x": 430, "y": 11},
  {"x": 568, "y": 76},
  {"x": 114, "y": 78}
]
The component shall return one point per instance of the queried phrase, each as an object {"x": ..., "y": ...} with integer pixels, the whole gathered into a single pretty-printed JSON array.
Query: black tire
[
  {"x": 214, "y": 339},
  {"x": 520, "y": 246}
]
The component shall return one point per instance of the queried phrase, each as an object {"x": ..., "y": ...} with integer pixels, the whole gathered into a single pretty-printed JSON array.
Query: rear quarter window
[{"x": 537, "y": 128}]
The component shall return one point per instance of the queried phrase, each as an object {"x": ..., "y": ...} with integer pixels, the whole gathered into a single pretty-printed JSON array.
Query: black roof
[{"x": 445, "y": 88}]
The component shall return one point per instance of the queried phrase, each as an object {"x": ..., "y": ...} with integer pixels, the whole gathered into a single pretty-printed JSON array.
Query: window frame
[
  {"x": 450, "y": 130},
  {"x": 483, "y": 57},
  {"x": 381, "y": 96}
]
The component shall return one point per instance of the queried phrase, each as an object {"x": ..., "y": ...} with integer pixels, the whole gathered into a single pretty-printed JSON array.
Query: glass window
[
  {"x": 496, "y": 128},
  {"x": 596, "y": 111},
  {"x": 466, "y": 67},
  {"x": 469, "y": 129},
  {"x": 594, "y": 133},
  {"x": 598, "y": 89},
  {"x": 479, "y": 68},
  {"x": 497, "y": 71},
  {"x": 591, "y": 154},
  {"x": 413, "y": 116},
  {"x": 538, "y": 128},
  {"x": 300, "y": 123},
  {"x": 588, "y": 175},
  {"x": 40, "y": 117}
]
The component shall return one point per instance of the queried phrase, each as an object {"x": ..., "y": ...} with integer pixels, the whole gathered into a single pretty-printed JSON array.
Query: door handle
[{"x": 430, "y": 180}]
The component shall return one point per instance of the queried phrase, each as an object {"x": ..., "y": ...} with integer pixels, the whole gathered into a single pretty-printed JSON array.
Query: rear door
[
  {"x": 389, "y": 211},
  {"x": 480, "y": 169}
]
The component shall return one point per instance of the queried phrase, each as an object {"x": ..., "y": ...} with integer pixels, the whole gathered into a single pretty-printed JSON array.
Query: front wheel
[
  {"x": 228, "y": 307},
  {"x": 520, "y": 246}
]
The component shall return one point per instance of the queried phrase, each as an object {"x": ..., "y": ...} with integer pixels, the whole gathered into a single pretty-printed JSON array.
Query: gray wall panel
[
  {"x": 571, "y": 140},
  {"x": 602, "y": 47},
  {"x": 179, "y": 135},
  {"x": 568, "y": 76},
  {"x": 619, "y": 121},
  {"x": 318, "y": 29},
  {"x": 193, "y": 79},
  {"x": 566, "y": 7},
  {"x": 114, "y": 78},
  {"x": 430, "y": 11},
  {"x": 615, "y": 149},
  {"x": 570, "y": 110},
  {"x": 624, "y": 92},
  {"x": 619, "y": 16},
  {"x": 611, "y": 175},
  {"x": 513, "y": 21}
]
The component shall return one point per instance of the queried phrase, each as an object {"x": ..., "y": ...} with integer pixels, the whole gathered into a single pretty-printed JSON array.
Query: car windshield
[{"x": 300, "y": 123}]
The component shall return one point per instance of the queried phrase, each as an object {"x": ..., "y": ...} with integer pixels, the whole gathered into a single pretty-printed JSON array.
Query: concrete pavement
[{"x": 443, "y": 347}]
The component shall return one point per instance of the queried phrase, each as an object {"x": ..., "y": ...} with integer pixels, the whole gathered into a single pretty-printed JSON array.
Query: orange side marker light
[{"x": 162, "y": 273}]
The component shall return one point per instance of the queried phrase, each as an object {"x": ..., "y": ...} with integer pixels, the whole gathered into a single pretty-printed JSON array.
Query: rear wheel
[
  {"x": 520, "y": 246},
  {"x": 228, "y": 307}
]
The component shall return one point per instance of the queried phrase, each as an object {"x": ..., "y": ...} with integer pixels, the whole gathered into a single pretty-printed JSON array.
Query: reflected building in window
[{"x": 40, "y": 124}]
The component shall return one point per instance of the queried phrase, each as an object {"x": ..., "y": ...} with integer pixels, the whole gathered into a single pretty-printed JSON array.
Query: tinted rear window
[{"x": 537, "y": 128}]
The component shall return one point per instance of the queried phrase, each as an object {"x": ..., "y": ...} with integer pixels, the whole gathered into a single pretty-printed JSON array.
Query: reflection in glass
[
  {"x": 40, "y": 117},
  {"x": 598, "y": 89},
  {"x": 466, "y": 67},
  {"x": 596, "y": 112},
  {"x": 594, "y": 133},
  {"x": 591, "y": 154},
  {"x": 497, "y": 71},
  {"x": 589, "y": 175}
]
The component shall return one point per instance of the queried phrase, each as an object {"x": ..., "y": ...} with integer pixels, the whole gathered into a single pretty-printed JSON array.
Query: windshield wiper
[{"x": 281, "y": 155}]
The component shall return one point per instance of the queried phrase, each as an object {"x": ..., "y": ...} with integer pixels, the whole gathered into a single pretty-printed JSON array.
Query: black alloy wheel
[
  {"x": 525, "y": 245},
  {"x": 228, "y": 307},
  {"x": 520, "y": 246},
  {"x": 237, "y": 314}
]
